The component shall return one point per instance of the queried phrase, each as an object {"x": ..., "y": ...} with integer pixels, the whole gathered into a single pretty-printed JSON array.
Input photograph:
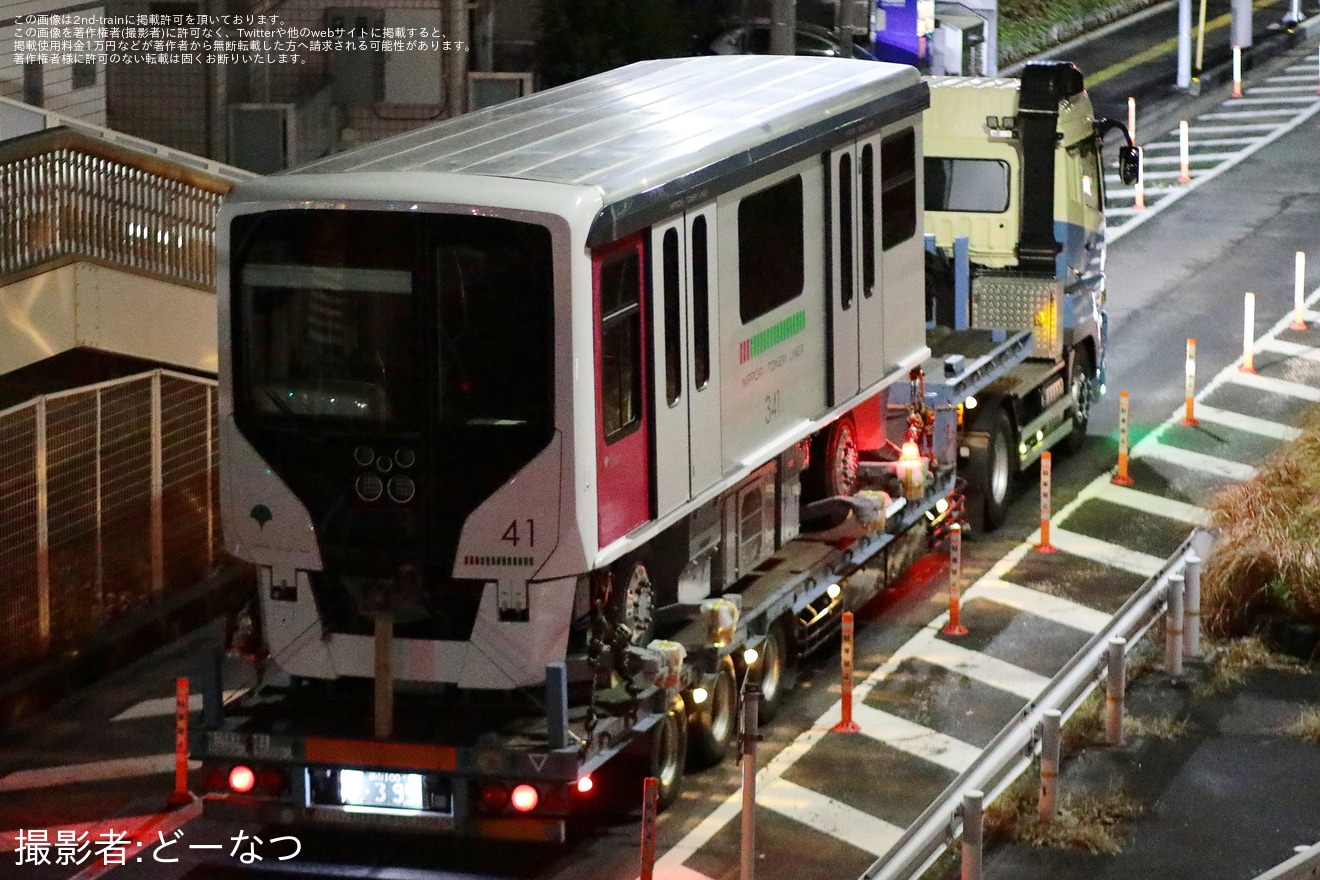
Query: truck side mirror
[{"x": 1128, "y": 160}]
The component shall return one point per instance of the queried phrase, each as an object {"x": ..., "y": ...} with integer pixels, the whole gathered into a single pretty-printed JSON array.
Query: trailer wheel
[
  {"x": 1082, "y": 389},
  {"x": 833, "y": 468},
  {"x": 669, "y": 747},
  {"x": 774, "y": 672},
  {"x": 714, "y": 721},
  {"x": 990, "y": 472}
]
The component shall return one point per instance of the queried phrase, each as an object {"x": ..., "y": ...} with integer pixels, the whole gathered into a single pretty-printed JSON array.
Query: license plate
[{"x": 378, "y": 788}]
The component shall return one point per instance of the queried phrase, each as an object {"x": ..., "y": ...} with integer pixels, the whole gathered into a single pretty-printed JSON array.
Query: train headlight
[
  {"x": 402, "y": 489},
  {"x": 364, "y": 455},
  {"x": 369, "y": 487},
  {"x": 405, "y": 457}
]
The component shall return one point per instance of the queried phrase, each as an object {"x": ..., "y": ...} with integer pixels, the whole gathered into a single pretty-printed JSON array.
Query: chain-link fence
[{"x": 107, "y": 505}]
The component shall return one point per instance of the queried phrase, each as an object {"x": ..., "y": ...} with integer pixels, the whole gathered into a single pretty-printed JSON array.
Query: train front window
[{"x": 362, "y": 317}]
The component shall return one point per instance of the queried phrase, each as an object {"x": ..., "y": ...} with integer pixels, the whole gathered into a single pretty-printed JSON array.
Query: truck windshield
[
  {"x": 972, "y": 185},
  {"x": 361, "y": 318}
]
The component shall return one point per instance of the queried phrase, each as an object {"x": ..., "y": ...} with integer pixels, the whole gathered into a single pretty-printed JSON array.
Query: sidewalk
[{"x": 1227, "y": 800}]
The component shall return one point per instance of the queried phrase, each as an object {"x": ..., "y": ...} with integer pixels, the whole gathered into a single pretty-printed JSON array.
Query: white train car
[{"x": 587, "y": 331}]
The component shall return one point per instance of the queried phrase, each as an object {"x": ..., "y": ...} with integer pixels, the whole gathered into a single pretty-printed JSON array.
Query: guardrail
[
  {"x": 1014, "y": 748},
  {"x": 1303, "y": 866}
]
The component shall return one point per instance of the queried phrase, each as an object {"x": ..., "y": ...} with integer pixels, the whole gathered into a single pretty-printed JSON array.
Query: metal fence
[
  {"x": 107, "y": 504},
  {"x": 67, "y": 195}
]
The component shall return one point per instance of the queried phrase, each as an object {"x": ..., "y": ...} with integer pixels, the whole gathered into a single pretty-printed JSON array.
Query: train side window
[
  {"x": 868, "y": 220},
  {"x": 620, "y": 290},
  {"x": 770, "y": 250},
  {"x": 700, "y": 305},
  {"x": 845, "y": 232},
  {"x": 673, "y": 334},
  {"x": 898, "y": 186}
]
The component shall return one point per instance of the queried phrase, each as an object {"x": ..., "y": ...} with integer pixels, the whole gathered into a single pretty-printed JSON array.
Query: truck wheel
[
  {"x": 991, "y": 468},
  {"x": 713, "y": 722},
  {"x": 833, "y": 469},
  {"x": 669, "y": 746},
  {"x": 774, "y": 672},
  {"x": 1082, "y": 388}
]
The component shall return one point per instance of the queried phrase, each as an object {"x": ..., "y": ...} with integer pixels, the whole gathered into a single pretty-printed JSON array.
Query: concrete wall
[{"x": 84, "y": 304}]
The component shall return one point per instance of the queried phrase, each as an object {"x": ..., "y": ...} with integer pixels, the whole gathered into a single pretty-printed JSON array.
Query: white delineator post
[
  {"x": 1237, "y": 71},
  {"x": 954, "y": 627},
  {"x": 1189, "y": 416},
  {"x": 1248, "y": 333},
  {"x": 1122, "y": 478},
  {"x": 1045, "y": 479},
  {"x": 1299, "y": 292}
]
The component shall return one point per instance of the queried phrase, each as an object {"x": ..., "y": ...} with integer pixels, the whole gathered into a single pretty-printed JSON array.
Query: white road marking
[
  {"x": 1055, "y": 609},
  {"x": 1281, "y": 99},
  {"x": 95, "y": 771},
  {"x": 1197, "y": 461},
  {"x": 1194, "y": 157},
  {"x": 1292, "y": 349},
  {"x": 914, "y": 739},
  {"x": 983, "y": 668},
  {"x": 1248, "y": 114},
  {"x": 1282, "y": 89},
  {"x": 1202, "y": 142},
  {"x": 835, "y": 818},
  {"x": 1136, "y": 499},
  {"x": 166, "y": 705},
  {"x": 9, "y": 839},
  {"x": 1250, "y": 424},
  {"x": 1096, "y": 550},
  {"x": 1276, "y": 386}
]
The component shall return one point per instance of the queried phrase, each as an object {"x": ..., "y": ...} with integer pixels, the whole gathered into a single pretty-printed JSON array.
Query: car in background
[{"x": 753, "y": 38}]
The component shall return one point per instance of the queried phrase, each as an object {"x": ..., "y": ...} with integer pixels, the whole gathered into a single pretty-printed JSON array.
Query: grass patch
[
  {"x": 1230, "y": 661},
  {"x": 1265, "y": 567},
  {"x": 1030, "y": 26},
  {"x": 1094, "y": 823},
  {"x": 1086, "y": 727},
  {"x": 1306, "y": 727}
]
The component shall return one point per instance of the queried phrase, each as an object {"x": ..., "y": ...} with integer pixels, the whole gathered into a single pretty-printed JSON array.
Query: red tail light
[
  {"x": 494, "y": 798},
  {"x": 242, "y": 779}
]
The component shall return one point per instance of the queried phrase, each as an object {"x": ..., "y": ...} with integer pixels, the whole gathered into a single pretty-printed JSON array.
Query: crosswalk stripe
[
  {"x": 1276, "y": 386},
  {"x": 1284, "y": 89},
  {"x": 1292, "y": 349},
  {"x": 166, "y": 706},
  {"x": 914, "y": 739},
  {"x": 1250, "y": 424},
  {"x": 1281, "y": 99},
  {"x": 1202, "y": 142},
  {"x": 835, "y": 818},
  {"x": 1055, "y": 609},
  {"x": 1096, "y": 550},
  {"x": 1267, "y": 127},
  {"x": 1136, "y": 499},
  {"x": 983, "y": 668},
  {"x": 95, "y": 771},
  {"x": 1197, "y": 461},
  {"x": 1249, "y": 114},
  {"x": 1194, "y": 157}
]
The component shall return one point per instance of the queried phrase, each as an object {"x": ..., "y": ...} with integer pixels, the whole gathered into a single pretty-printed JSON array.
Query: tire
[
  {"x": 1081, "y": 386},
  {"x": 714, "y": 722},
  {"x": 991, "y": 469},
  {"x": 668, "y": 752},
  {"x": 833, "y": 469},
  {"x": 774, "y": 672}
]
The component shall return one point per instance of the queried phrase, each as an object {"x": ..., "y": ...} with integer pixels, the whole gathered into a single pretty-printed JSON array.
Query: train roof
[{"x": 657, "y": 136}]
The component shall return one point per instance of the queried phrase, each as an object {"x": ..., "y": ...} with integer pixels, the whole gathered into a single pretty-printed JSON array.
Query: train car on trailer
[{"x": 519, "y": 416}]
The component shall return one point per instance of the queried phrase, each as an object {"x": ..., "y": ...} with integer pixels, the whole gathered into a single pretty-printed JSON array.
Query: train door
[
  {"x": 904, "y": 258},
  {"x": 669, "y": 381},
  {"x": 842, "y": 189},
  {"x": 870, "y": 300},
  {"x": 705, "y": 438},
  {"x": 623, "y": 472}
]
